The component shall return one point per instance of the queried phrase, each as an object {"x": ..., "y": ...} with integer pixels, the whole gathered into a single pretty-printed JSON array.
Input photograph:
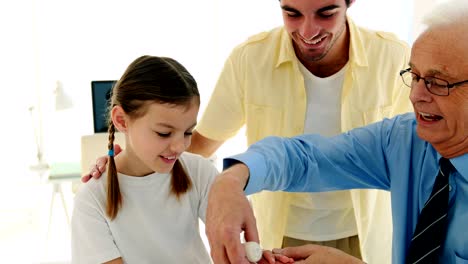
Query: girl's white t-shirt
[{"x": 152, "y": 226}]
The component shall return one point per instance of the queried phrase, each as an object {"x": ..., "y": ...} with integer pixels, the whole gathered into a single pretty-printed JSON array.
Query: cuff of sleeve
[{"x": 257, "y": 170}]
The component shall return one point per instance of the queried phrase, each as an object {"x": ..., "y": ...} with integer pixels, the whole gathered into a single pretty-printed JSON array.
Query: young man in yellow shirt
[{"x": 319, "y": 73}]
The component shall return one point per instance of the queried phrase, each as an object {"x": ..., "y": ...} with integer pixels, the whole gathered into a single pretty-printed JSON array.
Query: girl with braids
[{"x": 147, "y": 207}]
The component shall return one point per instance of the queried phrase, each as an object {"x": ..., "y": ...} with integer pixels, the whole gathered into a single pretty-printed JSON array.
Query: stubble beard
[{"x": 327, "y": 49}]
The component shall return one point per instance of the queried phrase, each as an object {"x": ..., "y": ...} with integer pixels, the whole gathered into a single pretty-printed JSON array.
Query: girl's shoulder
[
  {"x": 192, "y": 161},
  {"x": 202, "y": 172},
  {"x": 198, "y": 168},
  {"x": 94, "y": 189}
]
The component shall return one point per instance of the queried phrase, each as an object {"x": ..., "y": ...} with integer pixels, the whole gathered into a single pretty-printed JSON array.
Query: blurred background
[{"x": 50, "y": 52}]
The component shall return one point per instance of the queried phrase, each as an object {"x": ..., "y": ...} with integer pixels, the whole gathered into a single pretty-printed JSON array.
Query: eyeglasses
[{"x": 433, "y": 85}]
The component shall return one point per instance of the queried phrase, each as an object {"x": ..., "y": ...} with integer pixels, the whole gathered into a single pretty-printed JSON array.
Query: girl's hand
[
  {"x": 308, "y": 254},
  {"x": 272, "y": 258}
]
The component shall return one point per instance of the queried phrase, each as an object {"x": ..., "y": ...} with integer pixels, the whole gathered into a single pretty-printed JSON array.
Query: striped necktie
[{"x": 431, "y": 228}]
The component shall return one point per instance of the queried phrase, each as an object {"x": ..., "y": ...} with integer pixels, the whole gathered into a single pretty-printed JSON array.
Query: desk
[{"x": 58, "y": 174}]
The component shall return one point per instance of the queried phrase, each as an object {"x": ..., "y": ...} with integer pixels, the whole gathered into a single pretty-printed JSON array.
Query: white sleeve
[
  {"x": 208, "y": 172},
  {"x": 91, "y": 239}
]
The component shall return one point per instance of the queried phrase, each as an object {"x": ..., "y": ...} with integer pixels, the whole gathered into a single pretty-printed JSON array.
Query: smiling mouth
[
  {"x": 313, "y": 42},
  {"x": 429, "y": 117},
  {"x": 169, "y": 157}
]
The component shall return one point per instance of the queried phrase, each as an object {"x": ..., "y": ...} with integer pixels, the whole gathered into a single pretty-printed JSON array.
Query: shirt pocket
[{"x": 263, "y": 121}]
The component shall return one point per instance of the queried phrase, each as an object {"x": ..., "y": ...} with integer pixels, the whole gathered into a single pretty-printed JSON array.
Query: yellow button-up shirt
[{"x": 262, "y": 87}]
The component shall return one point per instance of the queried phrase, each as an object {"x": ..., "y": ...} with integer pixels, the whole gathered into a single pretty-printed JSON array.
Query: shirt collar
[
  {"x": 286, "y": 52},
  {"x": 357, "y": 51},
  {"x": 357, "y": 54},
  {"x": 460, "y": 163}
]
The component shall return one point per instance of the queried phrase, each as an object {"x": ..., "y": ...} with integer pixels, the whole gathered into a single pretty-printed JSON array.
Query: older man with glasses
[{"x": 420, "y": 157}]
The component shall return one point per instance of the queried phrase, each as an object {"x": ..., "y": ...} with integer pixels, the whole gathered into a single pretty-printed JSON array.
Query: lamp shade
[{"x": 62, "y": 100}]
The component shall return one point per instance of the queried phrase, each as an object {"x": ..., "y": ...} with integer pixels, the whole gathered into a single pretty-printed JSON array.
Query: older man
[{"x": 421, "y": 158}]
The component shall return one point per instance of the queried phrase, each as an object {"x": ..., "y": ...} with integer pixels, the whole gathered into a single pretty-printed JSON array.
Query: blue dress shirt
[{"x": 387, "y": 155}]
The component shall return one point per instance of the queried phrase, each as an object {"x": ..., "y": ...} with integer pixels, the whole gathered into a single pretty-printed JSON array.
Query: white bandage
[{"x": 253, "y": 251}]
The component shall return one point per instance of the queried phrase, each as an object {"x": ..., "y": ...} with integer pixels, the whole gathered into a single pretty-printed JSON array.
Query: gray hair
[{"x": 447, "y": 12}]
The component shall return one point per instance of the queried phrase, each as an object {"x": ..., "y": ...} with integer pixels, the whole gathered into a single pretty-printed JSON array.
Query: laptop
[{"x": 101, "y": 94}]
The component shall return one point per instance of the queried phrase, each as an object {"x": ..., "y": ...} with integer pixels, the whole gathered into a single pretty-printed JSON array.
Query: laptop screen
[{"x": 101, "y": 93}]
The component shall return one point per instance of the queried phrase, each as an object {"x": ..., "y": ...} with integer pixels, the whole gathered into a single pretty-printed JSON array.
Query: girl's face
[{"x": 156, "y": 140}]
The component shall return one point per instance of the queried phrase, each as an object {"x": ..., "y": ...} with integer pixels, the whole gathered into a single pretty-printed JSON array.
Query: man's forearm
[
  {"x": 239, "y": 173},
  {"x": 203, "y": 146}
]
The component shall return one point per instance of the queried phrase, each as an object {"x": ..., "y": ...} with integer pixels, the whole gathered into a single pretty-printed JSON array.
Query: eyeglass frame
[{"x": 448, "y": 86}]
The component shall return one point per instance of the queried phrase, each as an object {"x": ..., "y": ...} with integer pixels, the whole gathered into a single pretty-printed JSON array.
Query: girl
[
  {"x": 147, "y": 206},
  {"x": 146, "y": 209}
]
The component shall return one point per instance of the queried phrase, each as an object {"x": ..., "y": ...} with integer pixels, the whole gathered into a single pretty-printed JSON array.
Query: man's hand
[
  {"x": 100, "y": 167},
  {"x": 228, "y": 214},
  {"x": 316, "y": 254}
]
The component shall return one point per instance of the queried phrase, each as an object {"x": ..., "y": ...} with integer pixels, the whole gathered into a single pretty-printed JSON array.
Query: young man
[
  {"x": 400, "y": 155},
  {"x": 319, "y": 73}
]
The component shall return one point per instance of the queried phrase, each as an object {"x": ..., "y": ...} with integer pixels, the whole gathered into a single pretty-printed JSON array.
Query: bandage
[{"x": 253, "y": 251}]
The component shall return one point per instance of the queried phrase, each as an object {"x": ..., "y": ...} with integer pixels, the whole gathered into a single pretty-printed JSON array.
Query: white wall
[
  {"x": 393, "y": 16},
  {"x": 18, "y": 81}
]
